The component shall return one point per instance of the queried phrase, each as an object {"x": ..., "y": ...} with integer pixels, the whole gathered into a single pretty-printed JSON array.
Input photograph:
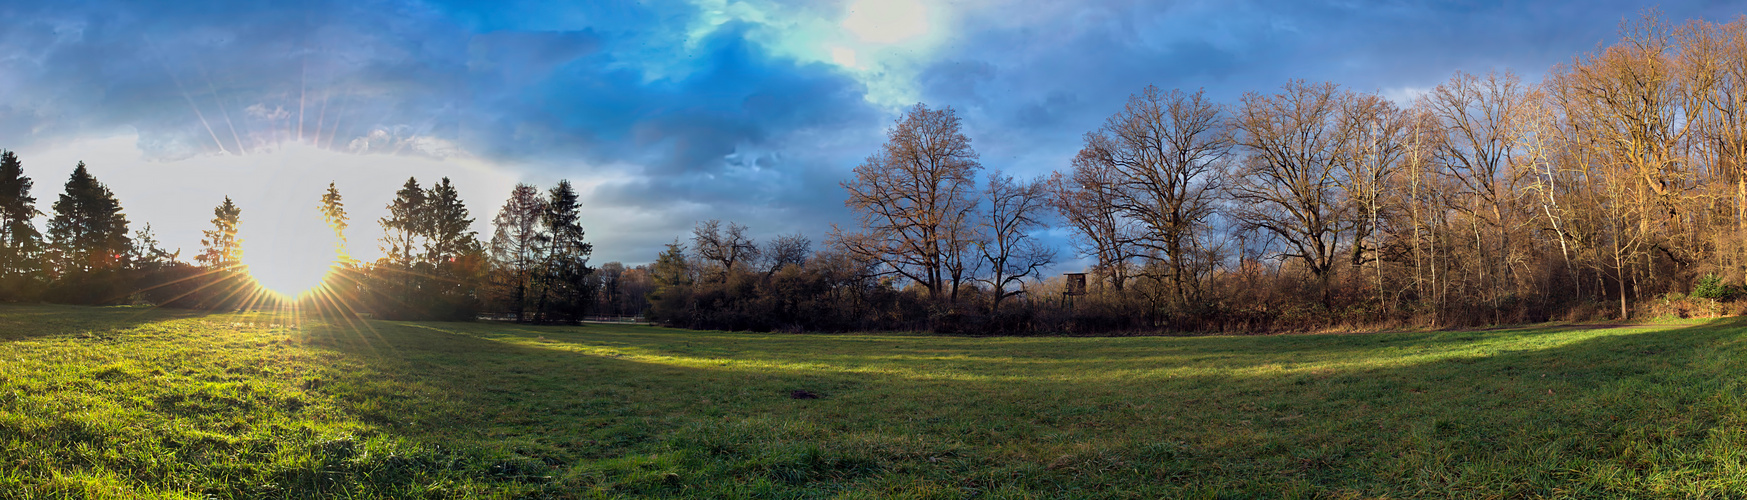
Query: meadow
[{"x": 130, "y": 402}]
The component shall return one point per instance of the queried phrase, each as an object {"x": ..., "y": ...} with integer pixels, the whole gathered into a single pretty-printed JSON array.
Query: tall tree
[
  {"x": 1288, "y": 182},
  {"x": 1478, "y": 149},
  {"x": 88, "y": 231},
  {"x": 453, "y": 264},
  {"x": 518, "y": 243},
  {"x": 565, "y": 268},
  {"x": 1086, "y": 198},
  {"x": 1015, "y": 210},
  {"x": 915, "y": 199},
  {"x": 333, "y": 210},
  {"x": 450, "y": 227},
  {"x": 1634, "y": 109},
  {"x": 1166, "y": 150},
  {"x": 725, "y": 249},
  {"x": 222, "y": 249},
  {"x": 406, "y": 225},
  {"x": 20, "y": 243}
]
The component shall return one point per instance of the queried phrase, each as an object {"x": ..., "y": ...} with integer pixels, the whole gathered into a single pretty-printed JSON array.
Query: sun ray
[
  {"x": 187, "y": 97},
  {"x": 321, "y": 117},
  {"x": 302, "y": 90},
  {"x": 241, "y": 150}
]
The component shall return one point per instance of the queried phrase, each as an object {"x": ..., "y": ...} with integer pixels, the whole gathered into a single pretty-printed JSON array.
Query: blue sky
[{"x": 665, "y": 112}]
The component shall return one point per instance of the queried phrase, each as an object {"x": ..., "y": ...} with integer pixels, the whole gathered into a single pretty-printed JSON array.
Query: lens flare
[{"x": 289, "y": 252}]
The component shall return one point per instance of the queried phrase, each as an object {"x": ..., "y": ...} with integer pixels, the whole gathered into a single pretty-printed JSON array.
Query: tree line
[
  {"x": 1614, "y": 188},
  {"x": 534, "y": 268}
]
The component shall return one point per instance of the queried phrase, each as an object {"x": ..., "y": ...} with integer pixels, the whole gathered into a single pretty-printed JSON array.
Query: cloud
[
  {"x": 670, "y": 111},
  {"x": 583, "y": 93}
]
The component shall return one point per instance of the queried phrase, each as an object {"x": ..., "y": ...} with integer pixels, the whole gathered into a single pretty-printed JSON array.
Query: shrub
[{"x": 1711, "y": 287}]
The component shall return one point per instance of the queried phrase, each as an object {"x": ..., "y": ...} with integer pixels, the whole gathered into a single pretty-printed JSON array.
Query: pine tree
[
  {"x": 405, "y": 224},
  {"x": 223, "y": 250},
  {"x": 404, "y": 231},
  {"x": 671, "y": 267},
  {"x": 20, "y": 243},
  {"x": 449, "y": 229},
  {"x": 452, "y": 256},
  {"x": 565, "y": 270},
  {"x": 517, "y": 245},
  {"x": 333, "y": 210},
  {"x": 89, "y": 231},
  {"x": 147, "y": 255}
]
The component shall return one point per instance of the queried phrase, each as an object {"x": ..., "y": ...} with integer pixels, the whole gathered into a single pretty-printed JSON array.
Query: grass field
[{"x": 142, "y": 403}]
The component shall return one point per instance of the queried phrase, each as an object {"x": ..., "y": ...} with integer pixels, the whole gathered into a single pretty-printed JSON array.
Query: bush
[{"x": 1711, "y": 287}]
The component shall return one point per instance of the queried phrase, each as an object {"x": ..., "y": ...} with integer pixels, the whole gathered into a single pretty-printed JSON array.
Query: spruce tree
[
  {"x": 88, "y": 232},
  {"x": 452, "y": 254},
  {"x": 403, "y": 233},
  {"x": 223, "y": 250},
  {"x": 333, "y": 210},
  {"x": 405, "y": 224},
  {"x": 449, "y": 229},
  {"x": 20, "y": 243},
  {"x": 517, "y": 246},
  {"x": 566, "y": 268}
]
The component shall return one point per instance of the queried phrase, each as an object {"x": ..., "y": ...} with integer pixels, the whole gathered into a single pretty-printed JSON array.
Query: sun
[{"x": 288, "y": 251}]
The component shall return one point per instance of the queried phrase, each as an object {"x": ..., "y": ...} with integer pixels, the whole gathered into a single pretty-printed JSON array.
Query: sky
[{"x": 663, "y": 113}]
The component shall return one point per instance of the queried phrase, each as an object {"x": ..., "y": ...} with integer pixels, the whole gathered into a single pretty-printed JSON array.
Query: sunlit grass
[{"x": 142, "y": 403}]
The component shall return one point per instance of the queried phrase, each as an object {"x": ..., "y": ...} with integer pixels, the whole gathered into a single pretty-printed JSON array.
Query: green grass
[{"x": 141, "y": 403}]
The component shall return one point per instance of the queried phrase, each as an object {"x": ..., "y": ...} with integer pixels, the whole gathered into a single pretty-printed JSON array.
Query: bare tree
[
  {"x": 1478, "y": 148},
  {"x": 915, "y": 200},
  {"x": 723, "y": 248},
  {"x": 1085, "y": 199},
  {"x": 518, "y": 244},
  {"x": 1636, "y": 107},
  {"x": 1380, "y": 141},
  {"x": 1719, "y": 52},
  {"x": 1015, "y": 209},
  {"x": 1288, "y": 181},
  {"x": 786, "y": 250},
  {"x": 1166, "y": 150}
]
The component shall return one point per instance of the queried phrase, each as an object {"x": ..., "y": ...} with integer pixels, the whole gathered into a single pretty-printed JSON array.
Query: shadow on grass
[
  {"x": 1529, "y": 412},
  {"x": 19, "y": 321}
]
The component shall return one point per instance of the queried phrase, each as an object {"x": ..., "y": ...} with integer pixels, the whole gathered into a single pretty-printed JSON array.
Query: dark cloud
[
  {"x": 716, "y": 126},
  {"x": 1029, "y": 88}
]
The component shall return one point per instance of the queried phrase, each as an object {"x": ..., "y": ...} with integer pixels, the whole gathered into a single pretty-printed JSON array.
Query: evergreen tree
[
  {"x": 333, "y": 210},
  {"x": 449, "y": 229},
  {"x": 672, "y": 274},
  {"x": 147, "y": 255},
  {"x": 517, "y": 245},
  {"x": 20, "y": 243},
  {"x": 89, "y": 231},
  {"x": 454, "y": 261},
  {"x": 565, "y": 270},
  {"x": 223, "y": 250},
  {"x": 404, "y": 232},
  {"x": 671, "y": 267},
  {"x": 405, "y": 224}
]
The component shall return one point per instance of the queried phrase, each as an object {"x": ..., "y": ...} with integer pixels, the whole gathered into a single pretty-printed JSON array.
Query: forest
[{"x": 1615, "y": 188}]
